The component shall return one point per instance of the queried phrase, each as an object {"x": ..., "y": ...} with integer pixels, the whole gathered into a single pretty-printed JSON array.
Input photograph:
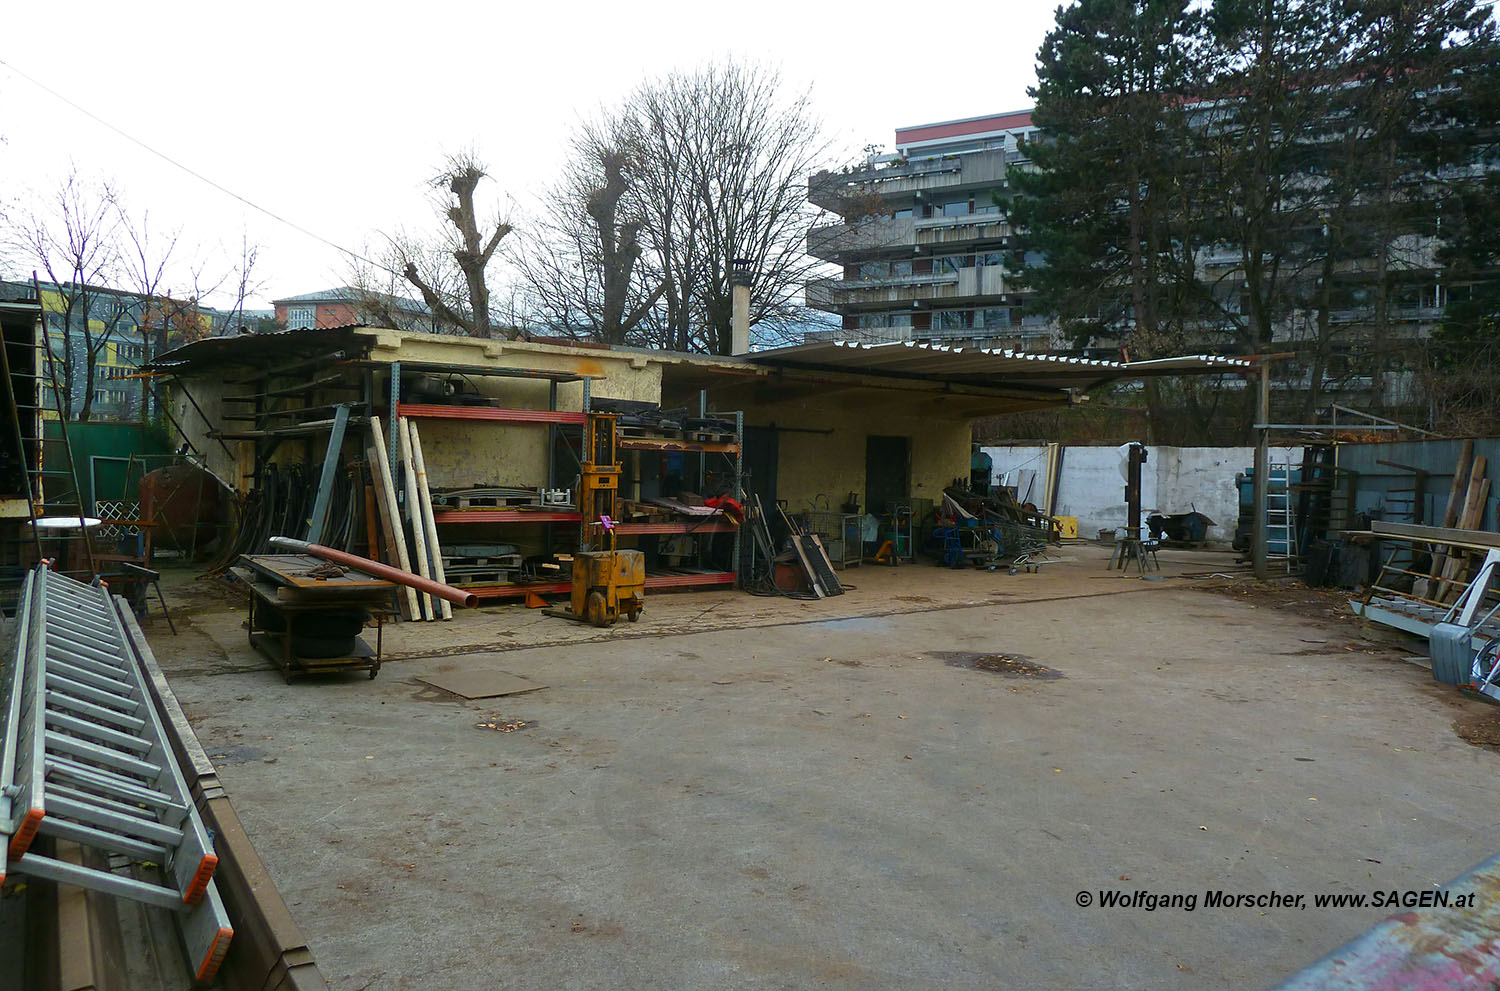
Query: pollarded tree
[
  {"x": 581, "y": 263},
  {"x": 468, "y": 240}
]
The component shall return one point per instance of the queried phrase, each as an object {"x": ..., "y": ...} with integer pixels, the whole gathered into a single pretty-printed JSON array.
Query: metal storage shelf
[
  {"x": 643, "y": 529},
  {"x": 677, "y": 446},
  {"x": 439, "y": 412},
  {"x": 515, "y": 590},
  {"x": 505, "y": 516}
]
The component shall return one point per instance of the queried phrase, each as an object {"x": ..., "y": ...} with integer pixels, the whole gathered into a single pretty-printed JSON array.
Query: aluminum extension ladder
[
  {"x": 1281, "y": 521},
  {"x": 85, "y": 760}
]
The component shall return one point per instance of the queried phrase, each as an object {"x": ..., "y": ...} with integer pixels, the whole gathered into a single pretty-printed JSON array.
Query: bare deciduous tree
[
  {"x": 470, "y": 247},
  {"x": 70, "y": 238},
  {"x": 580, "y": 265},
  {"x": 693, "y": 171}
]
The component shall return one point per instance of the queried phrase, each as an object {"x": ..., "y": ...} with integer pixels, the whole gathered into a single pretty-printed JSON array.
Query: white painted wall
[{"x": 1173, "y": 480}]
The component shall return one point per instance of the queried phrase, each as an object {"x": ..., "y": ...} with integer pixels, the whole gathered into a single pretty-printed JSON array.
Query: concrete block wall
[{"x": 1173, "y": 480}]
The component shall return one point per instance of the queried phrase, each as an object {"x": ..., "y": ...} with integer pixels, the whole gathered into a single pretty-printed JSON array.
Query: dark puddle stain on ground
[
  {"x": 1008, "y": 665},
  {"x": 235, "y": 755}
]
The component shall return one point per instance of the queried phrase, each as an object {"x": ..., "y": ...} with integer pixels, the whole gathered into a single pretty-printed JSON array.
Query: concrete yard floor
[{"x": 741, "y": 792}]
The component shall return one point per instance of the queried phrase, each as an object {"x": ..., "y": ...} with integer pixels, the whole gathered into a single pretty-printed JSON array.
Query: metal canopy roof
[{"x": 982, "y": 366}]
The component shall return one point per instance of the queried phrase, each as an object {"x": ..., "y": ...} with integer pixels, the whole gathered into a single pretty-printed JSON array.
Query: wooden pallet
[
  {"x": 497, "y": 561},
  {"x": 464, "y": 577}
]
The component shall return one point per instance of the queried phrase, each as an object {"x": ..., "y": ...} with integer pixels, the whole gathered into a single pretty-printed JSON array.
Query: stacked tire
[{"x": 318, "y": 635}]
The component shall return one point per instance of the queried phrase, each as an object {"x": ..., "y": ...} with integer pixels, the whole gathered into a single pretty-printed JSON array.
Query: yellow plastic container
[{"x": 1069, "y": 526}]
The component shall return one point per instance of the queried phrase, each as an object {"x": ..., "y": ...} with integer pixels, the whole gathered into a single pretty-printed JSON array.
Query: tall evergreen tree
[
  {"x": 1100, "y": 212},
  {"x": 1109, "y": 214}
]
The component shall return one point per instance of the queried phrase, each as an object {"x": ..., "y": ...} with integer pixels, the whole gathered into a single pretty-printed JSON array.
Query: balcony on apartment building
[
  {"x": 975, "y": 169},
  {"x": 867, "y": 239},
  {"x": 840, "y": 294},
  {"x": 976, "y": 284},
  {"x": 1421, "y": 315}
]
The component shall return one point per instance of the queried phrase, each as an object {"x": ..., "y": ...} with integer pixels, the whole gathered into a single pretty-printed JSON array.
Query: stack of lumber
[
  {"x": 1453, "y": 566},
  {"x": 400, "y": 518}
]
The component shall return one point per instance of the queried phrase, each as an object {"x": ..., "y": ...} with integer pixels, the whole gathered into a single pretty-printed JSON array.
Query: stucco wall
[
  {"x": 833, "y": 464},
  {"x": 1173, "y": 480}
]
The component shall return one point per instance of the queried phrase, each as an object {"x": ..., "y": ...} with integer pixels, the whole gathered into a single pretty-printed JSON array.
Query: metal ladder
[
  {"x": 65, "y": 499},
  {"x": 85, "y": 760},
  {"x": 1281, "y": 516}
]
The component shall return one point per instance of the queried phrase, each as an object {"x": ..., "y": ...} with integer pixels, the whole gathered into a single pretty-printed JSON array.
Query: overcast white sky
[{"x": 333, "y": 115}]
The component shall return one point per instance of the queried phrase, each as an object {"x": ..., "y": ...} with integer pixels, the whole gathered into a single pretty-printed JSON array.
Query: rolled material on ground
[{"x": 374, "y": 568}]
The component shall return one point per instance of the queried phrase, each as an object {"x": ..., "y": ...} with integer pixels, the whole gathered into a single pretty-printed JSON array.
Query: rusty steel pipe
[{"x": 457, "y": 596}]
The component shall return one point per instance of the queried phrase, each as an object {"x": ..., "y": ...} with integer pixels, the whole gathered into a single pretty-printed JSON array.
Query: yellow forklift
[{"x": 606, "y": 583}]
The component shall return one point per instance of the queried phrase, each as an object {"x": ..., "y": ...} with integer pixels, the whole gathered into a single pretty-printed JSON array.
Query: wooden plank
[
  {"x": 414, "y": 513},
  {"x": 1469, "y": 539},
  {"x": 429, "y": 522},
  {"x": 1470, "y": 514},
  {"x": 390, "y": 515},
  {"x": 1455, "y": 493},
  {"x": 372, "y": 533}
]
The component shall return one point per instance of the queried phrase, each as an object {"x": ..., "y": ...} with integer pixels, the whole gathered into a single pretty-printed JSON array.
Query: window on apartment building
[
  {"x": 953, "y": 319},
  {"x": 957, "y": 208},
  {"x": 901, "y": 214},
  {"x": 301, "y": 317},
  {"x": 900, "y": 269},
  {"x": 990, "y": 259},
  {"x": 875, "y": 270},
  {"x": 949, "y": 264},
  {"x": 996, "y": 317}
]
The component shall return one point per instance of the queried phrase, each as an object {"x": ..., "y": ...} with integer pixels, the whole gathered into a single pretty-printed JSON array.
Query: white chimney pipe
[{"x": 740, "y": 276}]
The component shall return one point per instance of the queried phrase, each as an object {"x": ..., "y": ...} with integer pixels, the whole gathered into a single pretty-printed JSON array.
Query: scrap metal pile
[{"x": 989, "y": 530}]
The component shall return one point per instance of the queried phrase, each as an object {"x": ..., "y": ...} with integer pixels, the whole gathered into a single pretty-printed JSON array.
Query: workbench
[{"x": 279, "y": 584}]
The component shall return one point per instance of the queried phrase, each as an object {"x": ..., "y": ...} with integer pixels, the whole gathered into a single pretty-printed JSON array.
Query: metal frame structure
[{"x": 86, "y": 760}]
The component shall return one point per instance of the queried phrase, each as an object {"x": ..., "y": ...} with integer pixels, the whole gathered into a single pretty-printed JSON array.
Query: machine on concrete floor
[{"x": 606, "y": 583}]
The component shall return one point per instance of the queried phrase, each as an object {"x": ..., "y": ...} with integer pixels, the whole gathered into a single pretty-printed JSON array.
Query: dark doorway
[
  {"x": 887, "y": 473},
  {"x": 760, "y": 452}
]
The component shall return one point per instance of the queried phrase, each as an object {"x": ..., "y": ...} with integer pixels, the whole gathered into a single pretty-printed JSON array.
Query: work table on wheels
[
  {"x": 280, "y": 584},
  {"x": 290, "y": 572}
]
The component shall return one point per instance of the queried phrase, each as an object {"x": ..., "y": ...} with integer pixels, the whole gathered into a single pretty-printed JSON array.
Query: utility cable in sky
[{"x": 192, "y": 172}]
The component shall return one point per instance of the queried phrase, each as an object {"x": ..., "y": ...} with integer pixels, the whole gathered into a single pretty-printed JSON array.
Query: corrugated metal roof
[
  {"x": 982, "y": 366},
  {"x": 256, "y": 349}
]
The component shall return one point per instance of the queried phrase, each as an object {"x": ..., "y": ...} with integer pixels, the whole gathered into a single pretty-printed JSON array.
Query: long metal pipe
[{"x": 457, "y": 596}]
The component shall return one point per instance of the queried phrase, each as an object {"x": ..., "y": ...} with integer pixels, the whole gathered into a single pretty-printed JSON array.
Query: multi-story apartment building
[
  {"x": 113, "y": 324},
  {"x": 924, "y": 243}
]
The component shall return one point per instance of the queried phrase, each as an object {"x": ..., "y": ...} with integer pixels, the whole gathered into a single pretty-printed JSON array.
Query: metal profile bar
[
  {"x": 63, "y": 829},
  {"x": 77, "y": 689},
  {"x": 12, "y": 725},
  {"x": 331, "y": 459},
  {"x": 102, "y": 817},
  {"x": 395, "y": 394},
  {"x": 104, "y": 734},
  {"x": 80, "y": 636},
  {"x": 84, "y": 656},
  {"x": 62, "y": 743},
  {"x": 85, "y": 877},
  {"x": 98, "y": 801},
  {"x": 87, "y": 677},
  {"x": 98, "y": 713}
]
